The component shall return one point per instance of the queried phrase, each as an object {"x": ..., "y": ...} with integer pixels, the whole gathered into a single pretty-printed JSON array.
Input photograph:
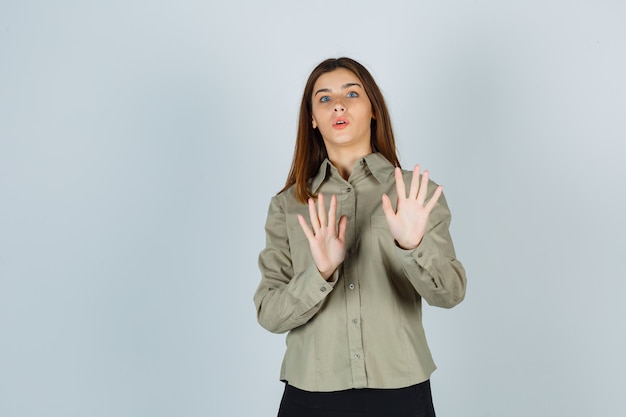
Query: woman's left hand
[{"x": 408, "y": 223}]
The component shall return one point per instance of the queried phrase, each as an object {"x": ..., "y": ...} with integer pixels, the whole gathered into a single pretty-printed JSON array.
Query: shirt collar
[
  {"x": 319, "y": 178},
  {"x": 378, "y": 165}
]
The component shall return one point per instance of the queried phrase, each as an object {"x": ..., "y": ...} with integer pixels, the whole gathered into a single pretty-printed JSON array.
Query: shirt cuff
[
  {"x": 317, "y": 284},
  {"x": 420, "y": 255}
]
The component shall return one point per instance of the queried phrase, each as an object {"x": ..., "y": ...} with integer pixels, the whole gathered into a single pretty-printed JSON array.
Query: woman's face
[{"x": 341, "y": 110}]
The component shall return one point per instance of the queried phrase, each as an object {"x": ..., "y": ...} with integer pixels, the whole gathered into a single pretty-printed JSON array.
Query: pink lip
[{"x": 342, "y": 125}]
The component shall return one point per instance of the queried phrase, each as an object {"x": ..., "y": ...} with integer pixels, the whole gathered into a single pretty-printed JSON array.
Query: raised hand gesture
[
  {"x": 408, "y": 223},
  {"x": 327, "y": 240}
]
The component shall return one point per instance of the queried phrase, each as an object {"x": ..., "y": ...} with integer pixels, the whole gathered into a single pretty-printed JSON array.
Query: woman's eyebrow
[
  {"x": 343, "y": 87},
  {"x": 322, "y": 90}
]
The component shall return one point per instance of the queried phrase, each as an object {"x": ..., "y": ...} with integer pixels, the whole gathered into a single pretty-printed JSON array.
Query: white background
[{"x": 141, "y": 141}]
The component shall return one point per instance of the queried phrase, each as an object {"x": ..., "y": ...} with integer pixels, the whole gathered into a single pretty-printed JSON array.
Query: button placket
[{"x": 352, "y": 297}]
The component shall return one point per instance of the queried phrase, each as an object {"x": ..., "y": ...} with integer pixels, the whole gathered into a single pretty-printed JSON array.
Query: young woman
[{"x": 353, "y": 245}]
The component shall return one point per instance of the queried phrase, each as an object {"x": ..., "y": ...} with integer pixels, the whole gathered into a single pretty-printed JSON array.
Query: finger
[
  {"x": 415, "y": 182},
  {"x": 315, "y": 223},
  {"x": 332, "y": 214},
  {"x": 305, "y": 227},
  {"x": 343, "y": 226},
  {"x": 400, "y": 190},
  {"x": 433, "y": 200},
  {"x": 321, "y": 210},
  {"x": 387, "y": 209},
  {"x": 421, "y": 195}
]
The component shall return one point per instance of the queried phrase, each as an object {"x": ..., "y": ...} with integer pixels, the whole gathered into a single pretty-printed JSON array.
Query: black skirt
[{"x": 413, "y": 401}]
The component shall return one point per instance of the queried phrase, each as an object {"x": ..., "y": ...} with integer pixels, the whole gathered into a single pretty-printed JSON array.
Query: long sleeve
[
  {"x": 432, "y": 267},
  {"x": 285, "y": 300}
]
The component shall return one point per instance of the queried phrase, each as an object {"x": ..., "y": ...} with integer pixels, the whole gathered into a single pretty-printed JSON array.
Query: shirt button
[
  {"x": 351, "y": 286},
  {"x": 355, "y": 321},
  {"x": 323, "y": 289},
  {"x": 348, "y": 189},
  {"x": 357, "y": 356},
  {"x": 419, "y": 255}
]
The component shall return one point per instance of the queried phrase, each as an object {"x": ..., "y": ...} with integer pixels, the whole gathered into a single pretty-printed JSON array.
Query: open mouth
[{"x": 341, "y": 122}]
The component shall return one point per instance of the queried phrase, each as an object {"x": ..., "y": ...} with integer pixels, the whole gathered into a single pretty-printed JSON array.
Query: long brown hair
[{"x": 310, "y": 150}]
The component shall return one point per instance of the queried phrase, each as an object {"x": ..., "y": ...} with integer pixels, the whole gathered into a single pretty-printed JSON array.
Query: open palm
[
  {"x": 327, "y": 239},
  {"x": 408, "y": 223}
]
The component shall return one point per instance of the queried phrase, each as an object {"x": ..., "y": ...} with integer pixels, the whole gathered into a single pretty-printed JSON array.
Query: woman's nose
[{"x": 339, "y": 106}]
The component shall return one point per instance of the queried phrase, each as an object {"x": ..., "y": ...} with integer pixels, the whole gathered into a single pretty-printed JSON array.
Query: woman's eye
[
  {"x": 353, "y": 94},
  {"x": 324, "y": 99}
]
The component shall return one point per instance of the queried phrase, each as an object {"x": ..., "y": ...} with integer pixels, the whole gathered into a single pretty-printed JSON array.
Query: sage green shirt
[{"x": 363, "y": 328}]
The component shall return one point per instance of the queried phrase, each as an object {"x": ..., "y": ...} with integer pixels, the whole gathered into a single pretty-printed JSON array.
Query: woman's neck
[{"x": 344, "y": 159}]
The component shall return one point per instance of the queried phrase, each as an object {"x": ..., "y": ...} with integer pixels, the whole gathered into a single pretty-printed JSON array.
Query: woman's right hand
[{"x": 327, "y": 239}]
